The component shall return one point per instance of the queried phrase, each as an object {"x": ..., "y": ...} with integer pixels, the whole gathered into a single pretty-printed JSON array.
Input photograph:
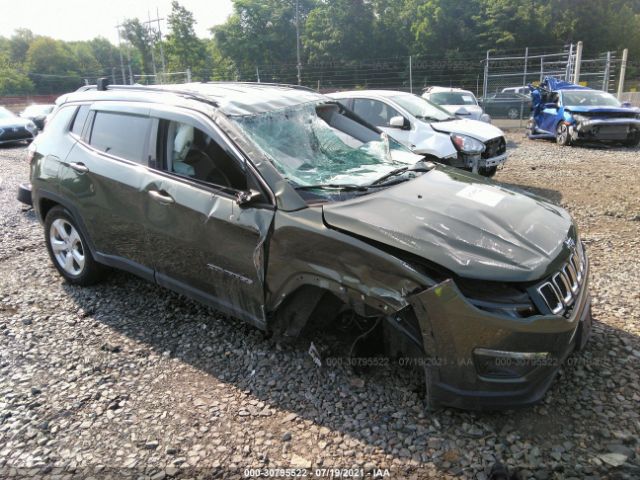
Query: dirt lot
[{"x": 127, "y": 380}]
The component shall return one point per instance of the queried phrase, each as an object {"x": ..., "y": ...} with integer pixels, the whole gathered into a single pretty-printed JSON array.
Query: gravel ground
[{"x": 127, "y": 380}]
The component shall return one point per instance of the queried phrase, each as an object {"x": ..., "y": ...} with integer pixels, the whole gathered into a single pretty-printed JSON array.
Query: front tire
[
  {"x": 68, "y": 249},
  {"x": 488, "y": 171},
  {"x": 633, "y": 140},
  {"x": 563, "y": 137}
]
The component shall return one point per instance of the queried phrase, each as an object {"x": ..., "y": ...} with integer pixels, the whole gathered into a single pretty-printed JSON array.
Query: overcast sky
[{"x": 86, "y": 19}]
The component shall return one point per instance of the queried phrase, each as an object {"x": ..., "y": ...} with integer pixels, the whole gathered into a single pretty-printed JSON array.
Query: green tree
[
  {"x": 12, "y": 80},
  {"x": 19, "y": 45},
  {"x": 139, "y": 36},
  {"x": 52, "y": 66},
  {"x": 184, "y": 49},
  {"x": 340, "y": 29},
  {"x": 261, "y": 32}
]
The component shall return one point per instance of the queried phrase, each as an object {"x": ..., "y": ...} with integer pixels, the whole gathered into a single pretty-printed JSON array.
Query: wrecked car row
[{"x": 283, "y": 207}]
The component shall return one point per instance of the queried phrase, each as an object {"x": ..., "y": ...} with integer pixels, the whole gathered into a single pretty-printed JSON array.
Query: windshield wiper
[
  {"x": 418, "y": 167},
  {"x": 333, "y": 186}
]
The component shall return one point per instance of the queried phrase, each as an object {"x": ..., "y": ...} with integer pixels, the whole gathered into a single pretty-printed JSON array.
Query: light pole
[{"x": 298, "y": 42}]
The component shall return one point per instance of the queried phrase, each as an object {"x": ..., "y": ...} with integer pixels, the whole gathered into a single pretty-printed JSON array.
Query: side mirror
[
  {"x": 399, "y": 122},
  {"x": 247, "y": 197},
  {"x": 550, "y": 105},
  {"x": 626, "y": 104}
]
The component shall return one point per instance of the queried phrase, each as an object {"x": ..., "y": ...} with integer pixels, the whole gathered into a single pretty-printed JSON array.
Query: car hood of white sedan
[
  {"x": 474, "y": 111},
  {"x": 482, "y": 131}
]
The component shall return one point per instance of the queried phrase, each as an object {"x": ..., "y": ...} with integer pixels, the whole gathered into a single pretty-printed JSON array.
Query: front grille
[
  {"x": 494, "y": 147},
  {"x": 561, "y": 289},
  {"x": 608, "y": 114}
]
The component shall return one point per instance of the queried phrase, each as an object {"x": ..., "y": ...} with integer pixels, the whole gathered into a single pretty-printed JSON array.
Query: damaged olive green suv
[{"x": 277, "y": 205}]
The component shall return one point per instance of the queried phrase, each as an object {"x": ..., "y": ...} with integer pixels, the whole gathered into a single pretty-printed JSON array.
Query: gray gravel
[{"x": 127, "y": 380}]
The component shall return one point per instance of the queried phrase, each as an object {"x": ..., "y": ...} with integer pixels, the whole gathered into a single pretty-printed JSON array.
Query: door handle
[
  {"x": 162, "y": 198},
  {"x": 79, "y": 167}
]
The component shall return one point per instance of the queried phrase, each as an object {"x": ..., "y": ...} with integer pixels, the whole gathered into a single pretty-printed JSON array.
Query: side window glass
[
  {"x": 60, "y": 120},
  {"x": 78, "y": 121},
  {"x": 374, "y": 111},
  {"x": 122, "y": 135},
  {"x": 189, "y": 152}
]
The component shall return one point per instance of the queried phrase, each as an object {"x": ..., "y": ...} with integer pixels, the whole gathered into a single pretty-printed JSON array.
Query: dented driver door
[{"x": 205, "y": 245}]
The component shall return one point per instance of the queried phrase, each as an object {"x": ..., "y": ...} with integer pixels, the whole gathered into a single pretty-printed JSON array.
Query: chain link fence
[{"x": 498, "y": 80}]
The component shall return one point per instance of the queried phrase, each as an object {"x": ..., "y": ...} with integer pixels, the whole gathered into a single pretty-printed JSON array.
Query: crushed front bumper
[
  {"x": 471, "y": 162},
  {"x": 454, "y": 331},
  {"x": 612, "y": 129}
]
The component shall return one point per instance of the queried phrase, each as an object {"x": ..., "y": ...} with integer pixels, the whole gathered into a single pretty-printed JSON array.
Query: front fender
[{"x": 304, "y": 251}]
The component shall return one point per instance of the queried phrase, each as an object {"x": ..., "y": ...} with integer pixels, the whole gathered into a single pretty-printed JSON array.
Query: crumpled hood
[
  {"x": 14, "y": 122},
  {"x": 471, "y": 226},
  {"x": 482, "y": 131}
]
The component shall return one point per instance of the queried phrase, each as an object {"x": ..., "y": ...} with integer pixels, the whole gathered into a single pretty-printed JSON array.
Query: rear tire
[
  {"x": 68, "y": 249},
  {"x": 563, "y": 138}
]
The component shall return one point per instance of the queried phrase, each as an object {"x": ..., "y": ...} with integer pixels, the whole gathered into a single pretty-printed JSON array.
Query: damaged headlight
[
  {"x": 579, "y": 118},
  {"x": 498, "y": 298},
  {"x": 466, "y": 144}
]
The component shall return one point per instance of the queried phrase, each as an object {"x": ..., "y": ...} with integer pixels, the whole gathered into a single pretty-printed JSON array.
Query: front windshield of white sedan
[
  {"x": 308, "y": 151},
  {"x": 421, "y": 108},
  {"x": 588, "y": 98}
]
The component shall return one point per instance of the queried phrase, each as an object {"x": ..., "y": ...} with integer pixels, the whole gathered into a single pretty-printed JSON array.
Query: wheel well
[{"x": 45, "y": 206}]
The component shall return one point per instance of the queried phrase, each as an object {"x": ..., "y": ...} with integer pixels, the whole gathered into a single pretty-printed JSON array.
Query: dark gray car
[{"x": 279, "y": 206}]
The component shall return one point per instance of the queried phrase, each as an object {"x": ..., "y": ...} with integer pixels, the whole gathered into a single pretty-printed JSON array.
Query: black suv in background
[{"x": 279, "y": 206}]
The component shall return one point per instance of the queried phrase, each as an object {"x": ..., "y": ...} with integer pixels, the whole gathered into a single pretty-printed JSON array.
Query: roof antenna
[{"x": 102, "y": 83}]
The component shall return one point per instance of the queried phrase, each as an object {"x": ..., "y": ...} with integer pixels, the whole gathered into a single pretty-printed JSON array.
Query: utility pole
[
  {"x": 159, "y": 39},
  {"x": 605, "y": 79},
  {"x": 524, "y": 80},
  {"x": 623, "y": 70},
  {"x": 410, "y": 75},
  {"x": 120, "y": 52},
  {"x": 152, "y": 37},
  {"x": 576, "y": 75},
  {"x": 299, "y": 65}
]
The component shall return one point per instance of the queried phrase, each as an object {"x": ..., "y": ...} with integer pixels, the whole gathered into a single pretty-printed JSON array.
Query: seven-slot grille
[
  {"x": 560, "y": 291},
  {"x": 494, "y": 147}
]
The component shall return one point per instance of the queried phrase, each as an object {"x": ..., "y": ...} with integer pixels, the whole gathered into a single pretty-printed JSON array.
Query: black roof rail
[
  {"x": 145, "y": 88},
  {"x": 268, "y": 84},
  {"x": 190, "y": 93}
]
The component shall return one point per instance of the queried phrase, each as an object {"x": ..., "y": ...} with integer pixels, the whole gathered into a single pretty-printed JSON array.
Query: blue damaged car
[{"x": 571, "y": 113}]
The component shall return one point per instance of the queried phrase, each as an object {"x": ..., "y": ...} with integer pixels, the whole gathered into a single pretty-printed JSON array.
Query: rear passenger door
[
  {"x": 206, "y": 245},
  {"x": 104, "y": 175}
]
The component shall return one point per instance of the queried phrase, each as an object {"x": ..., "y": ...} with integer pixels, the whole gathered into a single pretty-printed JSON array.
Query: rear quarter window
[
  {"x": 60, "y": 120},
  {"x": 78, "y": 121},
  {"x": 121, "y": 135}
]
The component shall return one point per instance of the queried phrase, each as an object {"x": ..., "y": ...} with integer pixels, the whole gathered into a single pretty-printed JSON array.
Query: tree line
[{"x": 259, "y": 39}]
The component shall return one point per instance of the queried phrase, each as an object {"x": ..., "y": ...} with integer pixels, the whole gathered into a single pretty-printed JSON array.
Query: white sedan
[{"x": 429, "y": 130}]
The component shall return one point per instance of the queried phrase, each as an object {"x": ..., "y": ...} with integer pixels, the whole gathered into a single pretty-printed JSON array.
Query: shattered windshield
[
  {"x": 421, "y": 108},
  {"x": 308, "y": 151},
  {"x": 589, "y": 98},
  {"x": 453, "y": 98}
]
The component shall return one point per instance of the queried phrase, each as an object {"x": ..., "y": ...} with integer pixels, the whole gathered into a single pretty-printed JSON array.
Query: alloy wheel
[{"x": 67, "y": 246}]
